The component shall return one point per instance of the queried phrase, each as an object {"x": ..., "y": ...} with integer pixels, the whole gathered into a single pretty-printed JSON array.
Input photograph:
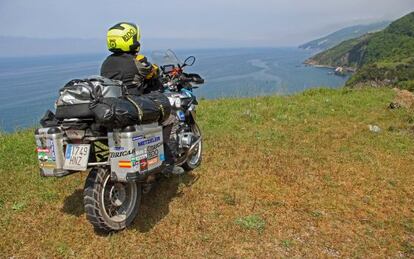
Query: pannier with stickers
[
  {"x": 135, "y": 151},
  {"x": 122, "y": 141},
  {"x": 49, "y": 142}
]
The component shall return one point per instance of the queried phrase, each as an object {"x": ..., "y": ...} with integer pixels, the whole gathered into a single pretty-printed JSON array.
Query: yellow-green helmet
[{"x": 124, "y": 37}]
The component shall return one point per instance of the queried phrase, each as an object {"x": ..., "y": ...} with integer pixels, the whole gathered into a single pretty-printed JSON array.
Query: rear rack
[{"x": 87, "y": 138}]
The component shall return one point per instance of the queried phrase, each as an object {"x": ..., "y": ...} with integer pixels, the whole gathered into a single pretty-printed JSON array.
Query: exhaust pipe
[
  {"x": 184, "y": 158},
  {"x": 193, "y": 146}
]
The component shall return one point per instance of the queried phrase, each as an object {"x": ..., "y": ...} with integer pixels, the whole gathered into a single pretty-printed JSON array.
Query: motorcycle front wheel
[
  {"x": 110, "y": 206},
  {"x": 194, "y": 160}
]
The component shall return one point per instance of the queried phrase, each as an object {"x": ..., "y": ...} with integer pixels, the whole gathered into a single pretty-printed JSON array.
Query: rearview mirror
[{"x": 189, "y": 61}]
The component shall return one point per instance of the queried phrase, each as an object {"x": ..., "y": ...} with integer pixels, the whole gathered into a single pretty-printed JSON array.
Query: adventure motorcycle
[{"x": 122, "y": 163}]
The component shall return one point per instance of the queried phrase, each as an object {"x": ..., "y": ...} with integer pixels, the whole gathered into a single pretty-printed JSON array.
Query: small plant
[
  {"x": 409, "y": 225},
  {"x": 286, "y": 243},
  {"x": 252, "y": 222},
  {"x": 49, "y": 195},
  {"x": 64, "y": 250},
  {"x": 205, "y": 238},
  {"x": 230, "y": 199},
  {"x": 18, "y": 206},
  {"x": 408, "y": 248},
  {"x": 276, "y": 203},
  {"x": 316, "y": 214}
]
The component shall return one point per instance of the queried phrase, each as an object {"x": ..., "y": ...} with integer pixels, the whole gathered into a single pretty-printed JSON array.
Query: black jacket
[{"x": 132, "y": 71}]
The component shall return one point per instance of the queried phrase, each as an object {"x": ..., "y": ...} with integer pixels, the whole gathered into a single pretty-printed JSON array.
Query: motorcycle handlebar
[{"x": 192, "y": 78}]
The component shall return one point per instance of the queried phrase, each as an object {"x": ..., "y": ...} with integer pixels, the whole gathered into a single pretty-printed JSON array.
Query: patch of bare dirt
[{"x": 403, "y": 99}]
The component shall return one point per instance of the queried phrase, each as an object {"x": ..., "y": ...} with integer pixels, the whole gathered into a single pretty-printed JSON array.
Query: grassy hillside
[
  {"x": 282, "y": 176},
  {"x": 344, "y": 34},
  {"x": 382, "y": 58}
]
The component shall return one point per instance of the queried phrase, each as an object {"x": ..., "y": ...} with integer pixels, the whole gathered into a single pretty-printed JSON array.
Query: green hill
[
  {"x": 289, "y": 176},
  {"x": 382, "y": 58},
  {"x": 344, "y": 34}
]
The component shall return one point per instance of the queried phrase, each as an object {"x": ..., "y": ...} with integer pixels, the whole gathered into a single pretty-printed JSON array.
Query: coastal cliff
[{"x": 384, "y": 58}]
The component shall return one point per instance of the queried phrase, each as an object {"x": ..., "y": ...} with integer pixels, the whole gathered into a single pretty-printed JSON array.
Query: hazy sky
[{"x": 264, "y": 22}]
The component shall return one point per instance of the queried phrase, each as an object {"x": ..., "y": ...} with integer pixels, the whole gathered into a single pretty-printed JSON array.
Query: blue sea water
[{"x": 29, "y": 86}]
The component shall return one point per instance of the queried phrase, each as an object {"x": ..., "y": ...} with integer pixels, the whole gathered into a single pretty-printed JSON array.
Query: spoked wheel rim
[
  {"x": 118, "y": 199},
  {"x": 195, "y": 157}
]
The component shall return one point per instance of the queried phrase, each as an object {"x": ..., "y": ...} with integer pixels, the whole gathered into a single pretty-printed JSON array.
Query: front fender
[{"x": 191, "y": 116}]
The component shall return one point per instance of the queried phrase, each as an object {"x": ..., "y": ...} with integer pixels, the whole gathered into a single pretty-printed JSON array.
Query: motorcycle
[
  {"x": 124, "y": 163},
  {"x": 178, "y": 87}
]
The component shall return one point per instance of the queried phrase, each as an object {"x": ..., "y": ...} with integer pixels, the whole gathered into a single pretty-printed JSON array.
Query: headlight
[{"x": 178, "y": 102}]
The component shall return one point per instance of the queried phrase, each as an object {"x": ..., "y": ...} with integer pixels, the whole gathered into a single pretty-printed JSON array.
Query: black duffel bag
[
  {"x": 163, "y": 102},
  {"x": 130, "y": 110}
]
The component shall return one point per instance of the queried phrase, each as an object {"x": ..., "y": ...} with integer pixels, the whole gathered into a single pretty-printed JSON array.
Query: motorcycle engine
[
  {"x": 186, "y": 139},
  {"x": 181, "y": 138}
]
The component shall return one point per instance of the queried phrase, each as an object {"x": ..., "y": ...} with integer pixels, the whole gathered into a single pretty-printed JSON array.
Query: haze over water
[{"x": 29, "y": 86}]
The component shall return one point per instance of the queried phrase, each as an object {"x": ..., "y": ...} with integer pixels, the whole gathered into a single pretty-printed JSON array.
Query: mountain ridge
[
  {"x": 383, "y": 58},
  {"x": 343, "y": 34}
]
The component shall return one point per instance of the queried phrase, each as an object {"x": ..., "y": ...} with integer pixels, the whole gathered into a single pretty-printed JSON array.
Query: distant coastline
[{"x": 313, "y": 63}]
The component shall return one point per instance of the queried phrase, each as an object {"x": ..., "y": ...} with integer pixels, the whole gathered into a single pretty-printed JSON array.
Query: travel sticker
[
  {"x": 153, "y": 161},
  {"x": 143, "y": 164},
  {"x": 125, "y": 164},
  {"x": 141, "y": 152},
  {"x": 42, "y": 150},
  {"x": 51, "y": 150},
  {"x": 152, "y": 151},
  {"x": 42, "y": 154},
  {"x": 122, "y": 153},
  {"x": 149, "y": 141},
  {"x": 137, "y": 138},
  {"x": 136, "y": 161}
]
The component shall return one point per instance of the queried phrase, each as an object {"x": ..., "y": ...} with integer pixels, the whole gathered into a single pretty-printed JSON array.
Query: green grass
[
  {"x": 289, "y": 176},
  {"x": 251, "y": 222}
]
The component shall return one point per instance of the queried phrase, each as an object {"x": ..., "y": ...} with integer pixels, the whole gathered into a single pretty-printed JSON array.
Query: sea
[{"x": 29, "y": 86}]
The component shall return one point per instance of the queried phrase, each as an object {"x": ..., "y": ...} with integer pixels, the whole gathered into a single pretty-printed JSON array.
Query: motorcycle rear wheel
[{"x": 110, "y": 206}]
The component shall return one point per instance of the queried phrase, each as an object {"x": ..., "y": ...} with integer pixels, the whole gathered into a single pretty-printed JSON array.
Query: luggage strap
[
  {"x": 95, "y": 95},
  {"x": 161, "y": 107},
  {"x": 139, "y": 110}
]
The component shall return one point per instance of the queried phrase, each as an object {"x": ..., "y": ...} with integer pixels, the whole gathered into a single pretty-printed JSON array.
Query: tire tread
[{"x": 93, "y": 186}]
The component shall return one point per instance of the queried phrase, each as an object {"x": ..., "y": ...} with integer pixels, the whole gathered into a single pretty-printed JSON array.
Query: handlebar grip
[
  {"x": 193, "y": 78},
  {"x": 198, "y": 80}
]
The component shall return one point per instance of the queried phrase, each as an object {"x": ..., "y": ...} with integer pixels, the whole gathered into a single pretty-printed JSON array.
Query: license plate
[{"x": 76, "y": 157}]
